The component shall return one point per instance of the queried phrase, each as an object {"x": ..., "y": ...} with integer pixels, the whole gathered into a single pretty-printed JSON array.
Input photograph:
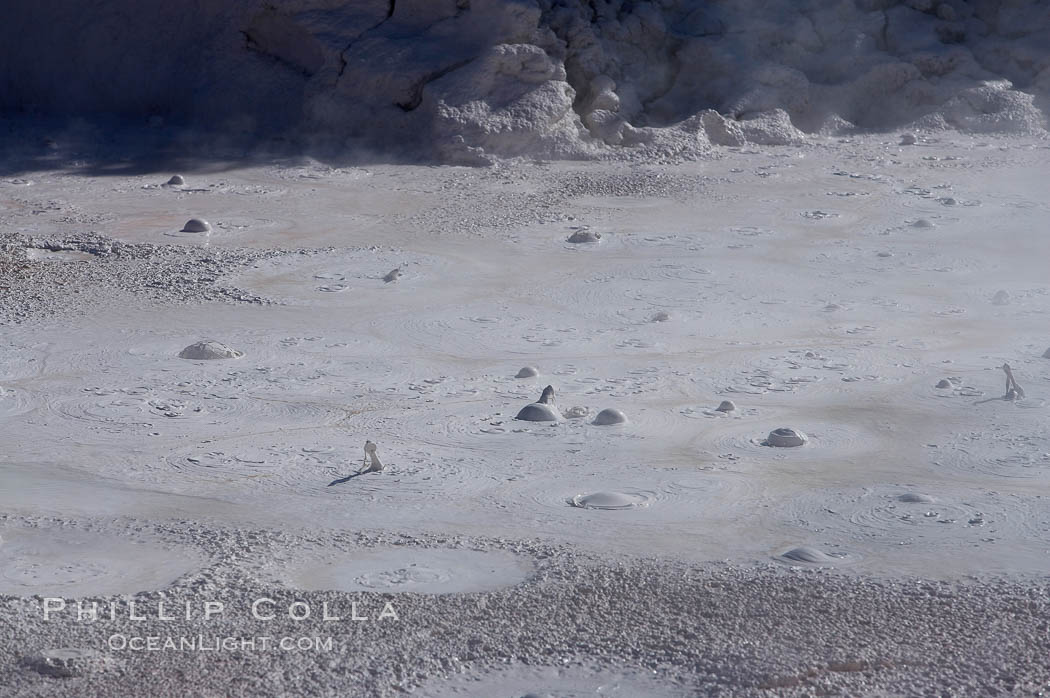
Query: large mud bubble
[{"x": 478, "y": 79}]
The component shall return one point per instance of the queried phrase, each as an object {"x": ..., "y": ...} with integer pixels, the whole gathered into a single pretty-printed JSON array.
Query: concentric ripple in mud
[
  {"x": 317, "y": 280},
  {"x": 67, "y": 562},
  {"x": 1000, "y": 451},
  {"x": 956, "y": 392},
  {"x": 824, "y": 439},
  {"x": 397, "y": 570},
  {"x": 619, "y": 494},
  {"x": 188, "y": 406},
  {"x": 493, "y": 330},
  {"x": 904, "y": 520},
  {"x": 324, "y": 463},
  {"x": 814, "y": 372}
]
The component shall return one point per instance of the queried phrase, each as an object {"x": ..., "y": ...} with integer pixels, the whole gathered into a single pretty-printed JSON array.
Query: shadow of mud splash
[{"x": 348, "y": 478}]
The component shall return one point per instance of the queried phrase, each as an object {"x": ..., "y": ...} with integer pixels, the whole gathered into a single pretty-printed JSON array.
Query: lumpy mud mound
[
  {"x": 585, "y": 236},
  {"x": 209, "y": 350},
  {"x": 785, "y": 437}
]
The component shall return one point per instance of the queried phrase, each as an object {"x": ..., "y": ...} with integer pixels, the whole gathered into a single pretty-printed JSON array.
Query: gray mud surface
[{"x": 902, "y": 551}]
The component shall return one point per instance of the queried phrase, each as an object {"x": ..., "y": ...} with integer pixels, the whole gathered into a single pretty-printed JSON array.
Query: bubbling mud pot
[
  {"x": 404, "y": 569},
  {"x": 585, "y": 236},
  {"x": 69, "y": 562},
  {"x": 904, "y": 526},
  {"x": 806, "y": 555},
  {"x": 614, "y": 493},
  {"x": 611, "y": 500},
  {"x": 196, "y": 225},
  {"x": 840, "y": 440},
  {"x": 785, "y": 437},
  {"x": 999, "y": 451},
  {"x": 15, "y": 402}
]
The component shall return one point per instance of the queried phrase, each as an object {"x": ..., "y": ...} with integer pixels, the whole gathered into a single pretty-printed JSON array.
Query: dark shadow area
[
  {"x": 120, "y": 147},
  {"x": 122, "y": 88},
  {"x": 348, "y": 478}
]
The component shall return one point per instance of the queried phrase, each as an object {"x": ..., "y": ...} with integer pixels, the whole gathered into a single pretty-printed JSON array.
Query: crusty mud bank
[{"x": 577, "y": 621}]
